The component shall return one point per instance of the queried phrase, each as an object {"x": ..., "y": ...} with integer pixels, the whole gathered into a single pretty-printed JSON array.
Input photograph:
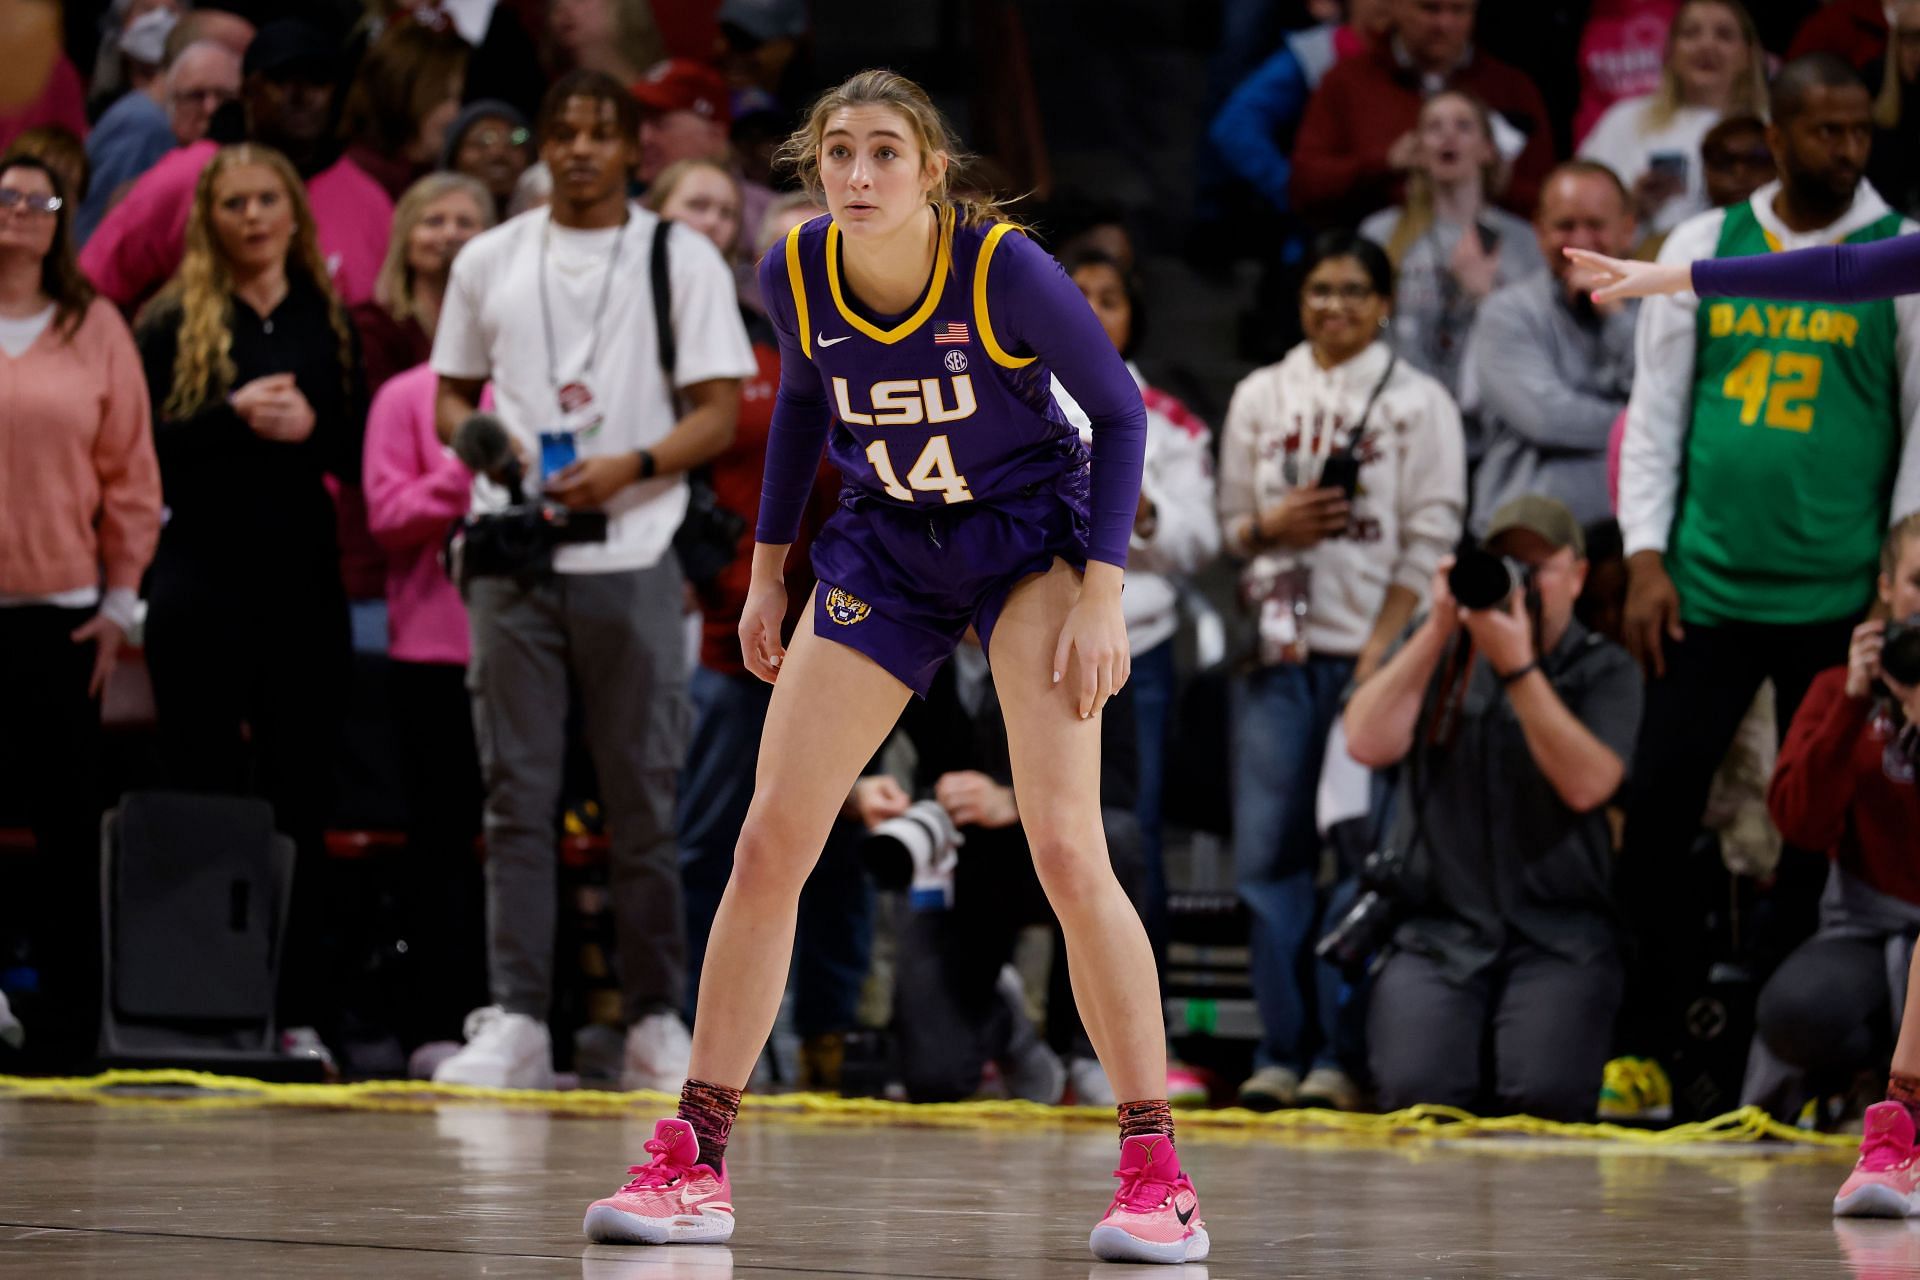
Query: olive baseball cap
[{"x": 1545, "y": 517}]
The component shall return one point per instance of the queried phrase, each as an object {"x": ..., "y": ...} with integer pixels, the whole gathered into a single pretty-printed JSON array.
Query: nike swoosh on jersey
[{"x": 824, "y": 341}]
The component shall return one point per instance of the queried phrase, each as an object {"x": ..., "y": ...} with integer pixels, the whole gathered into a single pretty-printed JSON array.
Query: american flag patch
[{"x": 950, "y": 333}]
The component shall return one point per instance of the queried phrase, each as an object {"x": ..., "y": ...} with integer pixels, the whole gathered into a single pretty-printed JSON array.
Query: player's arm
[
  {"x": 796, "y": 439},
  {"x": 1826, "y": 273}
]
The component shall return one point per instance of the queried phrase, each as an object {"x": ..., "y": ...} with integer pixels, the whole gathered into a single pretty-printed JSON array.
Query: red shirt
[
  {"x": 736, "y": 483},
  {"x": 1844, "y": 785},
  {"x": 1854, "y": 29},
  {"x": 1340, "y": 171}
]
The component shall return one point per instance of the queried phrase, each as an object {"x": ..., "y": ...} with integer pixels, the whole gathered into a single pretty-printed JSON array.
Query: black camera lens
[
  {"x": 1900, "y": 654},
  {"x": 1480, "y": 580}
]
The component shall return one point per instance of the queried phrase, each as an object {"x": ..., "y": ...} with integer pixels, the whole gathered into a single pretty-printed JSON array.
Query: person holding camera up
[
  {"x": 557, "y": 309},
  {"x": 1513, "y": 724},
  {"x": 1342, "y": 477},
  {"x": 1844, "y": 783}
]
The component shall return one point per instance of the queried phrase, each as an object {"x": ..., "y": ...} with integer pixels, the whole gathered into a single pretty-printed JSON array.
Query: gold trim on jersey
[
  {"x": 942, "y": 265},
  {"x": 980, "y": 320},
  {"x": 796, "y": 280}
]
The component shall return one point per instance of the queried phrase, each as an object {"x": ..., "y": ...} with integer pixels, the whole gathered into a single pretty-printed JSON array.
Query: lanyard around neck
[{"x": 599, "y": 309}]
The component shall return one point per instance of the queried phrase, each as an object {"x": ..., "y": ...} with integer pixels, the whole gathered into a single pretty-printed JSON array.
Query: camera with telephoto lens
[
  {"x": 518, "y": 542},
  {"x": 1480, "y": 579},
  {"x": 917, "y": 852},
  {"x": 1369, "y": 923},
  {"x": 1900, "y": 651}
]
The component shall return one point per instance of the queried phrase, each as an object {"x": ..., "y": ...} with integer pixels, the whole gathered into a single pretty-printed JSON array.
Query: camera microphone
[{"x": 482, "y": 443}]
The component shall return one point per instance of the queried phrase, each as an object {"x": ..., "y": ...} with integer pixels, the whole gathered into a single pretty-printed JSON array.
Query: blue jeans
[
  {"x": 1281, "y": 718},
  {"x": 1153, "y": 683},
  {"x": 834, "y": 940}
]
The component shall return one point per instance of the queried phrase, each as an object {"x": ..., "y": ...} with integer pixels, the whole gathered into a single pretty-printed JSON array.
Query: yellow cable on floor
[{"x": 1749, "y": 1124}]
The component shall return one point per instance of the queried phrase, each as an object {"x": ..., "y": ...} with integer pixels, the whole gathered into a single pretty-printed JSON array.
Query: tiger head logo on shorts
[{"x": 845, "y": 609}]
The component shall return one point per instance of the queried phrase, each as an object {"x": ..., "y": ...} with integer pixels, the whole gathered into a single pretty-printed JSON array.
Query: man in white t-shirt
[{"x": 556, "y": 309}]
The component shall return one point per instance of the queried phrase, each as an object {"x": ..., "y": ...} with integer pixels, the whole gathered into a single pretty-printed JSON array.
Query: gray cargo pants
[{"x": 620, "y": 639}]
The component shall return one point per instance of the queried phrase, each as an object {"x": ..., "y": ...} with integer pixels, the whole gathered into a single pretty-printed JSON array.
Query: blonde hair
[
  {"x": 1416, "y": 212},
  {"x": 878, "y": 87},
  {"x": 202, "y": 288},
  {"x": 393, "y": 287},
  {"x": 663, "y": 186},
  {"x": 1905, "y": 530},
  {"x": 1886, "y": 107},
  {"x": 1749, "y": 91}
]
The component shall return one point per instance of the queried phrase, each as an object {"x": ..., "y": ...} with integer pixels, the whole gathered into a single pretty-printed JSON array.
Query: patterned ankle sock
[
  {"x": 711, "y": 1110},
  {"x": 1905, "y": 1090},
  {"x": 1149, "y": 1116}
]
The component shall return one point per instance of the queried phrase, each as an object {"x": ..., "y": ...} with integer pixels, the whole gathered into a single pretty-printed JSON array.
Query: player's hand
[
  {"x": 1303, "y": 517},
  {"x": 1617, "y": 279},
  {"x": 1863, "y": 658},
  {"x": 1091, "y": 658},
  {"x": 1653, "y": 611},
  {"x": 972, "y": 799},
  {"x": 760, "y": 622},
  {"x": 877, "y": 798},
  {"x": 586, "y": 484}
]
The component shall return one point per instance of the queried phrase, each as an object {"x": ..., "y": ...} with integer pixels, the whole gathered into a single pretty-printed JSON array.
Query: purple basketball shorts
[{"x": 903, "y": 585}]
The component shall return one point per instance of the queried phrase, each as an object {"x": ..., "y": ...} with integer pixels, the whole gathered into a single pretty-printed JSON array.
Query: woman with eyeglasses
[
  {"x": 257, "y": 397},
  {"x": 79, "y": 517},
  {"x": 491, "y": 142},
  {"x": 1342, "y": 482}
]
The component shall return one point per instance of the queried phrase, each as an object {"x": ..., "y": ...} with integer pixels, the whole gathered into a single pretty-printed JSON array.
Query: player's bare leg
[
  {"x": 1056, "y": 783},
  {"x": 832, "y": 708}
]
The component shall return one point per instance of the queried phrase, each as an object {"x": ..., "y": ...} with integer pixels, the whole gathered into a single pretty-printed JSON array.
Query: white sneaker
[
  {"x": 658, "y": 1050},
  {"x": 305, "y": 1043},
  {"x": 503, "y": 1051},
  {"x": 11, "y": 1032},
  {"x": 1088, "y": 1080}
]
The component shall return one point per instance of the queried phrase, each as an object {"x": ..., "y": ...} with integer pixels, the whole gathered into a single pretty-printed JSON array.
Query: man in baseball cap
[
  {"x": 684, "y": 114},
  {"x": 1505, "y": 915}
]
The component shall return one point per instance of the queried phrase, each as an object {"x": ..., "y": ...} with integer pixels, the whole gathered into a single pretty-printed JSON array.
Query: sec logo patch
[
  {"x": 845, "y": 609},
  {"x": 956, "y": 362}
]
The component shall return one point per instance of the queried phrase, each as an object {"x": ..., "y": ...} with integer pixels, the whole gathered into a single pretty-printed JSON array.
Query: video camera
[{"x": 518, "y": 542}]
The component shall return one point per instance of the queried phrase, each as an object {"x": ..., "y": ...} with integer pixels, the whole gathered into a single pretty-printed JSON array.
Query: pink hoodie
[{"x": 415, "y": 490}]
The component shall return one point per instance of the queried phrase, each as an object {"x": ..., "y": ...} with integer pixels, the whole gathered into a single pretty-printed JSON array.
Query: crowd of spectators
[{"x": 1510, "y": 567}]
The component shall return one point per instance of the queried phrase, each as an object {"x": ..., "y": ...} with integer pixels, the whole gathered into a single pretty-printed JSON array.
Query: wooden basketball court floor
[{"x": 150, "y": 1188}]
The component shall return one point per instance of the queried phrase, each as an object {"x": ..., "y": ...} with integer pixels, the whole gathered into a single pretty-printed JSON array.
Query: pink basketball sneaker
[
  {"x": 1155, "y": 1216},
  {"x": 1883, "y": 1182},
  {"x": 674, "y": 1200}
]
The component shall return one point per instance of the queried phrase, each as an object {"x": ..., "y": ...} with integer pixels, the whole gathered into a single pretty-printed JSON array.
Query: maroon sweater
[
  {"x": 1340, "y": 171},
  {"x": 1843, "y": 786}
]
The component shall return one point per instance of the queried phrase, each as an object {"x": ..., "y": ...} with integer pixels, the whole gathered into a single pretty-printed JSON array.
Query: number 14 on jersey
[{"x": 932, "y": 472}]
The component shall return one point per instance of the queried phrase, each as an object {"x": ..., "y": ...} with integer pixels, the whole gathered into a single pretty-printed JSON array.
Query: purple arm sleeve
[
  {"x": 1035, "y": 306},
  {"x": 798, "y": 434},
  {"x": 1830, "y": 273}
]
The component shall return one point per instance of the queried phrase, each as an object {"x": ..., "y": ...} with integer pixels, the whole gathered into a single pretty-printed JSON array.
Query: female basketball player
[{"x": 928, "y": 326}]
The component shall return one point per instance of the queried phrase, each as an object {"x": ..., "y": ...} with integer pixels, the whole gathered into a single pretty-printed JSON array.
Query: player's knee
[
  {"x": 771, "y": 858},
  {"x": 1072, "y": 865}
]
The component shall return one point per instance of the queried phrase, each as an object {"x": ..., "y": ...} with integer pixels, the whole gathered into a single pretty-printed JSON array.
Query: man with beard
[
  {"x": 290, "y": 77},
  {"x": 1788, "y": 422}
]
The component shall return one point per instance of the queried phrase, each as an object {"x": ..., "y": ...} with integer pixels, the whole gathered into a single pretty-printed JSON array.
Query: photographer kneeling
[
  {"x": 1844, "y": 783},
  {"x": 1514, "y": 723}
]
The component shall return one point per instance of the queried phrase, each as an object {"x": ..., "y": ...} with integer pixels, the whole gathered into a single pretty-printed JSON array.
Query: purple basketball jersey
[{"x": 931, "y": 409}]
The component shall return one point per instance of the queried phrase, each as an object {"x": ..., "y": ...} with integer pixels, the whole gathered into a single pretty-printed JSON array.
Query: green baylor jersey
[{"x": 1790, "y": 452}]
